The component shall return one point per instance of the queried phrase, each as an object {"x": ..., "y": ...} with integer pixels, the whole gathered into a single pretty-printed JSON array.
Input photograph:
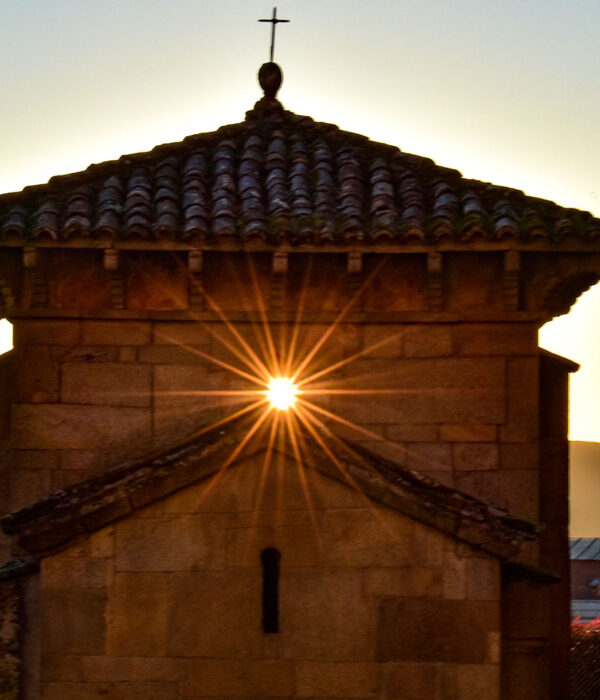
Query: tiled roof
[
  {"x": 282, "y": 178},
  {"x": 585, "y": 548}
]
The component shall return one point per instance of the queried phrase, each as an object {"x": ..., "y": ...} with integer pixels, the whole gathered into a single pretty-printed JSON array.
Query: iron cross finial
[{"x": 274, "y": 22}]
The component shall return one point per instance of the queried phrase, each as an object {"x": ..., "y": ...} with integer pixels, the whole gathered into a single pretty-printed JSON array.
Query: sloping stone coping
[{"x": 53, "y": 522}]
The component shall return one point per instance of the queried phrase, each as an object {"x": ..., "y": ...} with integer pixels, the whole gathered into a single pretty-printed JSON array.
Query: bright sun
[{"x": 282, "y": 393}]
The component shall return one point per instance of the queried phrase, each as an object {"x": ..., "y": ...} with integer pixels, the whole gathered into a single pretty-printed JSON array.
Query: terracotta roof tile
[{"x": 283, "y": 178}]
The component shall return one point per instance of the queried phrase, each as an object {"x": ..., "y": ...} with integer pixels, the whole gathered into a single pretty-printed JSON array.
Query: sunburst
[{"x": 282, "y": 391}]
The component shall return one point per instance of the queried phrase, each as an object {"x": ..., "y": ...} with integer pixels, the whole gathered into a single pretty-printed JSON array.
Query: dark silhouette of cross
[{"x": 274, "y": 22}]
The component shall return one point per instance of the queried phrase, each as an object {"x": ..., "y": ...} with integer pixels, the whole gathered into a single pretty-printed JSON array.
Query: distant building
[
  {"x": 585, "y": 578},
  {"x": 404, "y": 538}
]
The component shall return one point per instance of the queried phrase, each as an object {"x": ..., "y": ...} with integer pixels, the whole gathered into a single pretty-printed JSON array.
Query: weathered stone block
[
  {"x": 116, "y": 332},
  {"x": 79, "y": 427},
  {"x": 186, "y": 333},
  {"x": 61, "y": 667},
  {"x": 522, "y": 423},
  {"x": 35, "y": 459},
  {"x": 359, "y": 539},
  {"x": 455, "y": 580},
  {"x": 516, "y": 490},
  {"x": 27, "y": 486},
  {"x": 468, "y": 405},
  {"x": 450, "y": 631},
  {"x": 496, "y": 339},
  {"x": 87, "y": 353},
  {"x": 468, "y": 433},
  {"x": 171, "y": 544},
  {"x": 383, "y": 341},
  {"x": 413, "y": 681},
  {"x": 221, "y": 616},
  {"x": 343, "y": 680},
  {"x": 73, "y": 621},
  {"x": 483, "y": 579},
  {"x": 99, "y": 544},
  {"x": 301, "y": 545},
  {"x": 519, "y": 455},
  {"x": 81, "y": 460},
  {"x": 174, "y": 354},
  {"x": 478, "y": 681},
  {"x": 429, "y": 546},
  {"x": 35, "y": 378},
  {"x": 65, "y": 572},
  {"x": 406, "y": 582},
  {"x": 315, "y": 624},
  {"x": 109, "y": 691},
  {"x": 132, "y": 668},
  {"x": 473, "y": 456},
  {"x": 428, "y": 341},
  {"x": 110, "y": 384},
  {"x": 225, "y": 678},
  {"x": 127, "y": 354},
  {"x": 429, "y": 456},
  {"x": 411, "y": 433},
  {"x": 46, "y": 333},
  {"x": 136, "y": 615}
]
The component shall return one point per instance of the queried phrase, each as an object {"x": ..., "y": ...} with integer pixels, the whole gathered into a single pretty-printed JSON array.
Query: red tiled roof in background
[{"x": 280, "y": 178}]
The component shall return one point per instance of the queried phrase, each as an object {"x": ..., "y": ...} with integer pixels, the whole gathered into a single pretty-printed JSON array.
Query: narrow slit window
[{"x": 270, "y": 558}]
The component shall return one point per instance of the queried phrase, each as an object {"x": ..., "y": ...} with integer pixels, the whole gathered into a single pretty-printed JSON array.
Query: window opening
[{"x": 270, "y": 558}]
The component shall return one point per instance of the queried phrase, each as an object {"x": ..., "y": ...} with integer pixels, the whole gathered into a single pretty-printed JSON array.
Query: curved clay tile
[
  {"x": 137, "y": 210},
  {"x": 505, "y": 219},
  {"x": 194, "y": 201},
  {"x": 77, "y": 214},
  {"x": 45, "y": 219},
  {"x": 412, "y": 207},
  {"x": 16, "y": 221},
  {"x": 223, "y": 190},
  {"x": 109, "y": 207},
  {"x": 532, "y": 223}
]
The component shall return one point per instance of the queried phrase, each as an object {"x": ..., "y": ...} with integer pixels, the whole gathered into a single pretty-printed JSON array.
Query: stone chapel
[{"x": 399, "y": 533}]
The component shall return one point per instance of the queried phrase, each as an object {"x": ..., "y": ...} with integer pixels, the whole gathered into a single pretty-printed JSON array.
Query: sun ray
[
  {"x": 307, "y": 420},
  {"x": 265, "y": 467},
  {"x": 344, "y": 421},
  {"x": 276, "y": 369},
  {"x": 327, "y": 334},
  {"x": 289, "y": 361},
  {"x": 223, "y": 421},
  {"x": 235, "y": 452},
  {"x": 302, "y": 473},
  {"x": 356, "y": 392},
  {"x": 363, "y": 496},
  {"x": 216, "y": 361},
  {"x": 259, "y": 367},
  {"x": 347, "y": 360},
  {"x": 214, "y": 392},
  {"x": 236, "y": 334}
]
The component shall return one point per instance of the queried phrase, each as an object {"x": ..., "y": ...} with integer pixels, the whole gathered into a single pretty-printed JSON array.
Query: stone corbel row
[{"x": 279, "y": 268}]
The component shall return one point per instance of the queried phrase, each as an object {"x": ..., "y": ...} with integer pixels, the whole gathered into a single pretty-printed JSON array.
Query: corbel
[
  {"x": 116, "y": 280},
  {"x": 196, "y": 288},
  {"x": 30, "y": 257},
  {"x": 435, "y": 299},
  {"x": 512, "y": 280},
  {"x": 279, "y": 268},
  {"x": 354, "y": 262},
  {"x": 38, "y": 283}
]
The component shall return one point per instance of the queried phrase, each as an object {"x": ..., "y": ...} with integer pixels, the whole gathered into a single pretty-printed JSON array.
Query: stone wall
[
  {"x": 166, "y": 604},
  {"x": 457, "y": 401}
]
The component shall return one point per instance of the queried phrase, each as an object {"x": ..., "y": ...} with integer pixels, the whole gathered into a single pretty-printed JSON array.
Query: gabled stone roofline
[{"x": 65, "y": 515}]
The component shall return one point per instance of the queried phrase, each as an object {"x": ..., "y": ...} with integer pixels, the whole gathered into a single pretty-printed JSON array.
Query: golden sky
[{"x": 503, "y": 91}]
